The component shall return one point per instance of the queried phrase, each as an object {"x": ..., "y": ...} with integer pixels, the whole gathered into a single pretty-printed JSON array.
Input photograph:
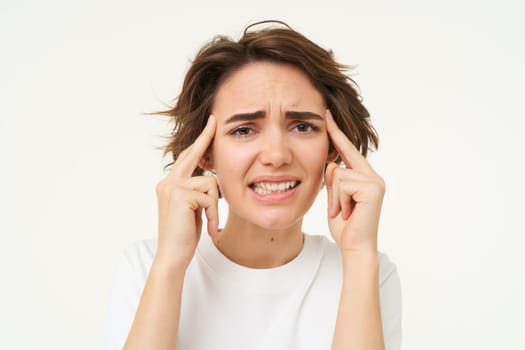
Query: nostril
[{"x": 276, "y": 154}]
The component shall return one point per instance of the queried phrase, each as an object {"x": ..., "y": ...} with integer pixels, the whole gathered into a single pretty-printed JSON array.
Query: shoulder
[
  {"x": 142, "y": 249},
  {"x": 131, "y": 271},
  {"x": 332, "y": 258},
  {"x": 138, "y": 256}
]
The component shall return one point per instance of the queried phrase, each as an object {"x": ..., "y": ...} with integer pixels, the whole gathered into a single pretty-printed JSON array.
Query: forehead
[{"x": 265, "y": 84}]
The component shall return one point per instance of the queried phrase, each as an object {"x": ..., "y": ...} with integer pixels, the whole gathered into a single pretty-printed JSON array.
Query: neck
[{"x": 253, "y": 246}]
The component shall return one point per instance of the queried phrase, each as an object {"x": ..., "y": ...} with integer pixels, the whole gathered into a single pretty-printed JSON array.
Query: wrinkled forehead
[{"x": 263, "y": 86}]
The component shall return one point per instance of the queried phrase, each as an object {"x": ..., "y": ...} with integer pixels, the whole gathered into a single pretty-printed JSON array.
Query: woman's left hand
[{"x": 355, "y": 195}]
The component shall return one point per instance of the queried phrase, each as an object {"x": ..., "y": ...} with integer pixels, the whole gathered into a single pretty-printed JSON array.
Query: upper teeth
[{"x": 264, "y": 187}]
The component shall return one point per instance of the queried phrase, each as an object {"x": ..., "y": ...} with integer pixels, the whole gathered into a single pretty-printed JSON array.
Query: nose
[{"x": 275, "y": 150}]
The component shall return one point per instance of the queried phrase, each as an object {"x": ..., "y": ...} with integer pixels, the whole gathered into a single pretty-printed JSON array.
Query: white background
[{"x": 443, "y": 81}]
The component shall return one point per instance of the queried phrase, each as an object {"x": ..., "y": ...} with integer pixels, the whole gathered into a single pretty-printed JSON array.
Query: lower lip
[{"x": 275, "y": 197}]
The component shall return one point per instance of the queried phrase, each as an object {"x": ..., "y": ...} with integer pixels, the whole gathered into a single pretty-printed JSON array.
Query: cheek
[
  {"x": 317, "y": 155},
  {"x": 230, "y": 159}
]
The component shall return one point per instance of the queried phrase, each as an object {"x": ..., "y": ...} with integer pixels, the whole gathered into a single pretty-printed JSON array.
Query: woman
[{"x": 264, "y": 122}]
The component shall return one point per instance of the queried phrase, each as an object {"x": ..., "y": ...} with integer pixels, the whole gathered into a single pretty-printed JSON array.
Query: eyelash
[
  {"x": 312, "y": 127},
  {"x": 236, "y": 131},
  {"x": 246, "y": 130}
]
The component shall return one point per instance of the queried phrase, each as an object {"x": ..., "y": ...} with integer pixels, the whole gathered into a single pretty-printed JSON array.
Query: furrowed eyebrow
[
  {"x": 261, "y": 114},
  {"x": 245, "y": 116},
  {"x": 302, "y": 115}
]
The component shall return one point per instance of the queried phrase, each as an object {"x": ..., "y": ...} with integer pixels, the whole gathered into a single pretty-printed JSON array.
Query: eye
[
  {"x": 242, "y": 131},
  {"x": 305, "y": 128}
]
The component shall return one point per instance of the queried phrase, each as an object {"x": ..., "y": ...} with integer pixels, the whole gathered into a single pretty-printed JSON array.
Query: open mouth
[{"x": 273, "y": 187}]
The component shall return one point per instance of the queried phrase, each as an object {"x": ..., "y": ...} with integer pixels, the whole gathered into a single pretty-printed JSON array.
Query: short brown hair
[{"x": 222, "y": 56}]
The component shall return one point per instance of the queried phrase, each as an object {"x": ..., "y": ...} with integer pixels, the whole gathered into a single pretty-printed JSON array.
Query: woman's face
[{"x": 271, "y": 144}]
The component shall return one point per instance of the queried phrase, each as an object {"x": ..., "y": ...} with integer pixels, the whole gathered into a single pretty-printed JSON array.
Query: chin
[{"x": 273, "y": 222}]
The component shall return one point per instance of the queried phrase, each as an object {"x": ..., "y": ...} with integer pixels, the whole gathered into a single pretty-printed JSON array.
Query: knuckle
[
  {"x": 160, "y": 187},
  {"x": 213, "y": 186},
  {"x": 381, "y": 183},
  {"x": 378, "y": 186},
  {"x": 212, "y": 181},
  {"x": 165, "y": 188},
  {"x": 338, "y": 172}
]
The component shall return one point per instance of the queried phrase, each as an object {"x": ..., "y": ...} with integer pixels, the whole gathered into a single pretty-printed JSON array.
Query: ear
[
  {"x": 206, "y": 162},
  {"x": 332, "y": 154}
]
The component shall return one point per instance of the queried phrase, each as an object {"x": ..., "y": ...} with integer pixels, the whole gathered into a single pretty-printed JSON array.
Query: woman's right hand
[{"x": 181, "y": 199}]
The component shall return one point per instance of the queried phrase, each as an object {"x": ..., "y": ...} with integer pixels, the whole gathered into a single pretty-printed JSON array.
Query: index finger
[
  {"x": 190, "y": 157},
  {"x": 346, "y": 149}
]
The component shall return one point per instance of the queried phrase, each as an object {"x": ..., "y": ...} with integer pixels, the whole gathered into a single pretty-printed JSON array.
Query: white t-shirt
[{"x": 229, "y": 306}]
